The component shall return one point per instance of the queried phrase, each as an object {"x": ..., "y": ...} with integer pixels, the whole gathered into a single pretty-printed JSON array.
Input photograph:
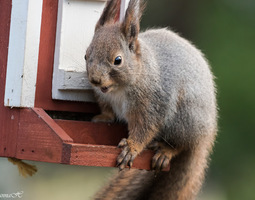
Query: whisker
[{"x": 167, "y": 142}]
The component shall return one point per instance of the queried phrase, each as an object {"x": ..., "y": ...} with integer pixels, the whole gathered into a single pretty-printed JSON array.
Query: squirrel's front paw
[{"x": 127, "y": 155}]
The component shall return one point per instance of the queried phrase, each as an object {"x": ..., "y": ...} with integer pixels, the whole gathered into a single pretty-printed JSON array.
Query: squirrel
[{"x": 162, "y": 87}]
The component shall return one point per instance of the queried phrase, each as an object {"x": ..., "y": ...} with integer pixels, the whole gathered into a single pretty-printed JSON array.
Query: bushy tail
[
  {"x": 127, "y": 184},
  {"x": 182, "y": 182}
]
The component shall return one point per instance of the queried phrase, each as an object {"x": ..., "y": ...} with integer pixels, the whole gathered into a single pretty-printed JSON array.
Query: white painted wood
[
  {"x": 123, "y": 8},
  {"x": 23, "y": 53},
  {"x": 75, "y": 29},
  {"x": 73, "y": 80},
  {"x": 16, "y": 53}
]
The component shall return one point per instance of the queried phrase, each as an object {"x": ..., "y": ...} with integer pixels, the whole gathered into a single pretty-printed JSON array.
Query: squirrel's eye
[
  {"x": 85, "y": 57},
  {"x": 117, "y": 60}
]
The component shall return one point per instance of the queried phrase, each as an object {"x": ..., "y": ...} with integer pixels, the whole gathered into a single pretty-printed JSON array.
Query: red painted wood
[
  {"x": 52, "y": 125},
  {"x": 43, "y": 97},
  {"x": 104, "y": 156},
  {"x": 95, "y": 144},
  {"x": 32, "y": 135},
  {"x": 9, "y": 118},
  {"x": 38, "y": 138},
  {"x": 94, "y": 133},
  {"x": 41, "y": 138}
]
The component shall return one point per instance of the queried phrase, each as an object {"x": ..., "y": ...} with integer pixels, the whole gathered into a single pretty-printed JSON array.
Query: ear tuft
[
  {"x": 130, "y": 27},
  {"x": 109, "y": 14}
]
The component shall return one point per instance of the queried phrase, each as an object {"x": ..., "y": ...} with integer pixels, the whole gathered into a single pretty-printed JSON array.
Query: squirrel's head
[{"x": 113, "y": 57}]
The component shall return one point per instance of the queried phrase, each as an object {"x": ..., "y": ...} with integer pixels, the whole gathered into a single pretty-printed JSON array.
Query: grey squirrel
[{"x": 162, "y": 86}]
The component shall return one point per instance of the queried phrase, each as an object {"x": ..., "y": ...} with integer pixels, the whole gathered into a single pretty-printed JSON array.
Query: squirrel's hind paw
[
  {"x": 160, "y": 161},
  {"x": 164, "y": 154}
]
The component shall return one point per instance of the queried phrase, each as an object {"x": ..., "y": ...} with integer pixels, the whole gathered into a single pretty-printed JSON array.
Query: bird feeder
[{"x": 46, "y": 101}]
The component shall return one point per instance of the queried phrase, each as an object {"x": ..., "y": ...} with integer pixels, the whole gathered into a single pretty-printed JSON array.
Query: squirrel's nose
[{"x": 95, "y": 81}]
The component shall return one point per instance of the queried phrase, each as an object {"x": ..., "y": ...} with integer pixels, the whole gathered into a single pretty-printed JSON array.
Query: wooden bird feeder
[{"x": 43, "y": 86}]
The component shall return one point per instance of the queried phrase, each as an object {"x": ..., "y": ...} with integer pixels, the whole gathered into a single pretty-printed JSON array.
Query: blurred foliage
[
  {"x": 225, "y": 31},
  {"x": 54, "y": 181}
]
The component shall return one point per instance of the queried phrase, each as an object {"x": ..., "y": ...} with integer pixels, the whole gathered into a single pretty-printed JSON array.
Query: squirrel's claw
[
  {"x": 160, "y": 161},
  {"x": 126, "y": 157},
  {"x": 122, "y": 143},
  {"x": 164, "y": 154}
]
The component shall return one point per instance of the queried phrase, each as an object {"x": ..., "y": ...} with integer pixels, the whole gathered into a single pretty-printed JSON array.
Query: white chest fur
[{"x": 118, "y": 102}]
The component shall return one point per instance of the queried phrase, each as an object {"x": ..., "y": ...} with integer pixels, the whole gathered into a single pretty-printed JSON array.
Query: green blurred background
[{"x": 225, "y": 31}]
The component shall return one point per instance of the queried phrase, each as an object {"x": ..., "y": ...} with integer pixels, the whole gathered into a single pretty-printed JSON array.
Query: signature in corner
[{"x": 12, "y": 195}]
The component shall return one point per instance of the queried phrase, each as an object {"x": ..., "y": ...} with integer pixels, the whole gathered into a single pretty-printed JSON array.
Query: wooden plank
[
  {"x": 23, "y": 53},
  {"x": 43, "y": 97},
  {"x": 103, "y": 156},
  {"x": 95, "y": 144},
  {"x": 52, "y": 124},
  {"x": 39, "y": 138},
  {"x": 9, "y": 118},
  {"x": 94, "y": 133}
]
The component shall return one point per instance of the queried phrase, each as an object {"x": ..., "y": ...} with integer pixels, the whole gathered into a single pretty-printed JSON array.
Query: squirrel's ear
[
  {"x": 109, "y": 14},
  {"x": 130, "y": 27}
]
